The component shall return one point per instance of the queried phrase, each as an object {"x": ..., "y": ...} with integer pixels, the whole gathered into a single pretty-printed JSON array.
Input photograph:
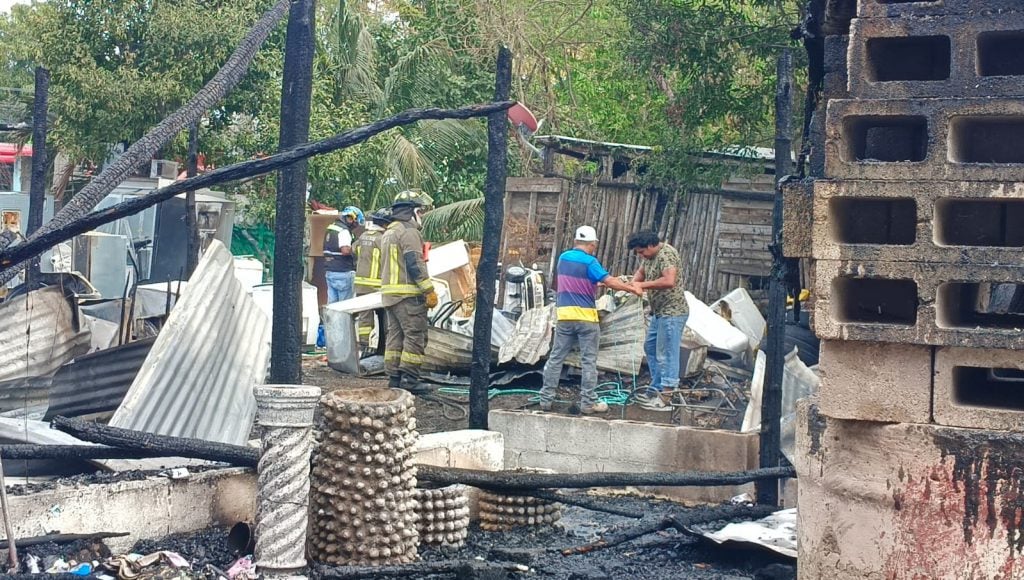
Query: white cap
[{"x": 586, "y": 234}]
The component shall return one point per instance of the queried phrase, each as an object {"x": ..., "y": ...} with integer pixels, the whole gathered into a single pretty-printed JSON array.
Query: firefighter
[
  {"x": 407, "y": 291},
  {"x": 339, "y": 259},
  {"x": 367, "y": 249}
]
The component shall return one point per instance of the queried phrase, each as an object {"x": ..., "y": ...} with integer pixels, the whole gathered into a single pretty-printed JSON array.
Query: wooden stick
[
  {"x": 681, "y": 522},
  {"x": 64, "y": 538},
  {"x": 518, "y": 481},
  {"x": 29, "y": 451},
  {"x": 585, "y": 503},
  {"x": 12, "y": 549},
  {"x": 457, "y": 568}
]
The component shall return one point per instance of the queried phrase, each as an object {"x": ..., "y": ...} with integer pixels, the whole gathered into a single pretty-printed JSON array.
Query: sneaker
[
  {"x": 651, "y": 401},
  {"x": 598, "y": 407},
  {"x": 546, "y": 406}
]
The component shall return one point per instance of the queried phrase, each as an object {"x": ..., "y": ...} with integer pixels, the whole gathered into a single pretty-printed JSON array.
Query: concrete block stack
[{"x": 917, "y": 238}]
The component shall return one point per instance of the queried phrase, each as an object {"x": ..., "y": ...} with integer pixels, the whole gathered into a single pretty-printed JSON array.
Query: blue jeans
[
  {"x": 662, "y": 349},
  {"x": 340, "y": 286},
  {"x": 567, "y": 333}
]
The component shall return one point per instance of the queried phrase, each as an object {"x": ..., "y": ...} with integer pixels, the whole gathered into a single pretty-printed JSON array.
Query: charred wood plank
[{"x": 29, "y": 451}]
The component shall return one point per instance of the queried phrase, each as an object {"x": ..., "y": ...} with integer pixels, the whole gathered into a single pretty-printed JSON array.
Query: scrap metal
[
  {"x": 197, "y": 381},
  {"x": 39, "y": 332}
]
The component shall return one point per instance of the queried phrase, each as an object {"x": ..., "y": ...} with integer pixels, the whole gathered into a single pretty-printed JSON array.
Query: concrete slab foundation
[
  {"x": 884, "y": 501},
  {"x": 571, "y": 444},
  {"x": 151, "y": 508}
]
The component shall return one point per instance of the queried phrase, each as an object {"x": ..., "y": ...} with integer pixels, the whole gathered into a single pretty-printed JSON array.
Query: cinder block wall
[
  {"x": 916, "y": 221},
  {"x": 568, "y": 444}
]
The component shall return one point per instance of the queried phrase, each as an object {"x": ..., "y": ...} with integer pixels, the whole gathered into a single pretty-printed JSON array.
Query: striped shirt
[{"x": 578, "y": 276}]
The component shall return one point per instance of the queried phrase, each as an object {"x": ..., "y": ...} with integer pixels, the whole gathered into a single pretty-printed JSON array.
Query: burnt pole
[
  {"x": 487, "y": 269},
  {"x": 37, "y": 188},
  {"x": 191, "y": 218},
  {"x": 771, "y": 397},
  {"x": 289, "y": 222}
]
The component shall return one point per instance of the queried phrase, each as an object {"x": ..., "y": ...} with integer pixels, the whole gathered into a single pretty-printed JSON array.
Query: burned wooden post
[
  {"x": 37, "y": 188},
  {"x": 771, "y": 398},
  {"x": 289, "y": 222},
  {"x": 487, "y": 269},
  {"x": 191, "y": 219}
]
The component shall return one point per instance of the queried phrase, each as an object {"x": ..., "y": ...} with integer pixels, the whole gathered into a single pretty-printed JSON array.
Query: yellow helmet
[{"x": 413, "y": 197}]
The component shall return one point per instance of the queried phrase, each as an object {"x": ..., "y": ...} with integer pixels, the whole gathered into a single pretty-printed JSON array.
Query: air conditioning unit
[{"x": 163, "y": 168}]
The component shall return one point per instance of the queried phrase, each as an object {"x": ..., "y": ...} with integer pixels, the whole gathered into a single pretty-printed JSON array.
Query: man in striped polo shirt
[{"x": 579, "y": 273}]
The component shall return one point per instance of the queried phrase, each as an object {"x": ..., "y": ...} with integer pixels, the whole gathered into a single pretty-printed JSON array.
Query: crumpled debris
[
  {"x": 162, "y": 564},
  {"x": 243, "y": 569},
  {"x": 59, "y": 566}
]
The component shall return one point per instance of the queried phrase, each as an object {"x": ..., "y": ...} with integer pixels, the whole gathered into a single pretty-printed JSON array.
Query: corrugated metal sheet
[
  {"x": 197, "y": 380},
  {"x": 39, "y": 332},
  {"x": 449, "y": 351},
  {"x": 93, "y": 386},
  {"x": 531, "y": 338},
  {"x": 622, "y": 340}
]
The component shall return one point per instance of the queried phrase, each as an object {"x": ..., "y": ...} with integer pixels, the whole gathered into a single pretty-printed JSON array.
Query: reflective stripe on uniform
[
  {"x": 400, "y": 290},
  {"x": 393, "y": 355},
  {"x": 413, "y": 359},
  {"x": 425, "y": 285},
  {"x": 375, "y": 264},
  {"x": 372, "y": 282}
]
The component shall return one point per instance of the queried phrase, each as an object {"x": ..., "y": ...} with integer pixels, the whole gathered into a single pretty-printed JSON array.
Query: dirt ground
[{"x": 433, "y": 416}]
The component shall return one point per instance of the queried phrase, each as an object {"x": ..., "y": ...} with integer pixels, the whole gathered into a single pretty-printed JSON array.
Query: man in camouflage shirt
[{"x": 659, "y": 275}]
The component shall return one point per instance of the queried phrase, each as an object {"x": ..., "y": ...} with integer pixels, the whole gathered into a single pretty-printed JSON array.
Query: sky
[{"x": 5, "y": 5}]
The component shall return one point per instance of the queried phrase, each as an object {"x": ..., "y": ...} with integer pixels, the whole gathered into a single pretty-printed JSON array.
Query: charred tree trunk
[
  {"x": 289, "y": 221},
  {"x": 221, "y": 84},
  {"x": 245, "y": 169},
  {"x": 487, "y": 270},
  {"x": 37, "y": 188},
  {"x": 29, "y": 451},
  {"x": 771, "y": 401},
  {"x": 191, "y": 218}
]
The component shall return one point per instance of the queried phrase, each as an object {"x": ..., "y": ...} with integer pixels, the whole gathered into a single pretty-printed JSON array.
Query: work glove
[{"x": 431, "y": 298}]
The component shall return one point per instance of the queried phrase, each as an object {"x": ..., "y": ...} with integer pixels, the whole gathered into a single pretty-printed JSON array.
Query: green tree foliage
[{"x": 682, "y": 76}]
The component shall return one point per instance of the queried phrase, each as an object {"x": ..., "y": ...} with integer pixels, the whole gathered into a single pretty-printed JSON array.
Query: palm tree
[{"x": 413, "y": 155}]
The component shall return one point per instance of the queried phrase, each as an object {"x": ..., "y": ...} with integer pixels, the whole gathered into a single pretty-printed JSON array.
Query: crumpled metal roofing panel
[
  {"x": 39, "y": 332},
  {"x": 621, "y": 347},
  {"x": 93, "y": 386},
  {"x": 531, "y": 338},
  {"x": 197, "y": 380}
]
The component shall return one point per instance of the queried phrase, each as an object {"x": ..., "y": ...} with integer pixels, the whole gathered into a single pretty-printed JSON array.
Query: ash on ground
[{"x": 660, "y": 556}]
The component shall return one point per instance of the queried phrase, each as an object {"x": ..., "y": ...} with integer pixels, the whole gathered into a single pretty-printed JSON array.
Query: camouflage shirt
[{"x": 667, "y": 301}]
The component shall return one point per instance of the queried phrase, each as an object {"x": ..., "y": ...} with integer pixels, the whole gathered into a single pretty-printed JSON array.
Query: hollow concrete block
[
  {"x": 977, "y": 139},
  {"x": 914, "y": 303},
  {"x": 955, "y": 222},
  {"x": 979, "y": 388}
]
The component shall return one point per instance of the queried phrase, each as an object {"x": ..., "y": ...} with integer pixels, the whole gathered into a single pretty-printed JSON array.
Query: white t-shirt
[{"x": 344, "y": 238}]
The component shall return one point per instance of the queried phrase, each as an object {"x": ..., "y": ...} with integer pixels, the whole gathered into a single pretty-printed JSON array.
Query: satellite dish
[
  {"x": 525, "y": 125},
  {"x": 522, "y": 119}
]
